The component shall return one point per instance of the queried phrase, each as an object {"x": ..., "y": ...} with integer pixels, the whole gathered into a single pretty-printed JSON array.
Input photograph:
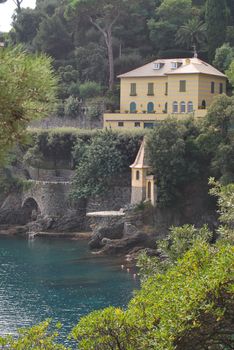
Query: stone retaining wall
[{"x": 114, "y": 199}]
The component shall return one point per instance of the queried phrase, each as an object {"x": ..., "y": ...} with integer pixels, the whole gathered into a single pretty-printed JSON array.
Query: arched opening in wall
[
  {"x": 31, "y": 209},
  {"x": 203, "y": 104},
  {"x": 137, "y": 175}
]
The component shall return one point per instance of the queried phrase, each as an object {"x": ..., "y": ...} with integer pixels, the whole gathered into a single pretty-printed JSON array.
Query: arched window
[
  {"x": 132, "y": 107},
  {"x": 190, "y": 107},
  {"x": 150, "y": 107},
  {"x": 175, "y": 107},
  {"x": 137, "y": 175},
  {"x": 182, "y": 107},
  {"x": 203, "y": 104}
]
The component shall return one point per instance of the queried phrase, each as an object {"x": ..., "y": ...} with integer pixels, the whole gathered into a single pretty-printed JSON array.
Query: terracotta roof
[
  {"x": 141, "y": 161},
  {"x": 185, "y": 66}
]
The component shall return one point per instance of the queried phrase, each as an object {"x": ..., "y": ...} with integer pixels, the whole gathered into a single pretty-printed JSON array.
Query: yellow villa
[{"x": 165, "y": 87}]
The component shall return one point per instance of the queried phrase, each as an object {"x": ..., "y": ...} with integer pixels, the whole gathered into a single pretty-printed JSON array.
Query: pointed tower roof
[{"x": 141, "y": 160}]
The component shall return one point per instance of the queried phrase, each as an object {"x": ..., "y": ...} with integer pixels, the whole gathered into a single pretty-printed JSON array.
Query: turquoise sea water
[{"x": 58, "y": 279}]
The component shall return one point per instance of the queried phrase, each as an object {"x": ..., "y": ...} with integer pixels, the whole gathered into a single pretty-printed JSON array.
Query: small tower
[{"x": 143, "y": 187}]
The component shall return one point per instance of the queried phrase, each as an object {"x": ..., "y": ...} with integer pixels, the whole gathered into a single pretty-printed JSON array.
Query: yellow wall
[
  {"x": 205, "y": 88},
  {"x": 159, "y": 99},
  {"x": 191, "y": 93},
  {"x": 142, "y": 180},
  {"x": 198, "y": 88},
  {"x": 129, "y": 119}
]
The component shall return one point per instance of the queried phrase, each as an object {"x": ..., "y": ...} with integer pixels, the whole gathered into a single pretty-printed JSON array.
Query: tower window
[
  {"x": 137, "y": 175},
  {"x": 212, "y": 87}
]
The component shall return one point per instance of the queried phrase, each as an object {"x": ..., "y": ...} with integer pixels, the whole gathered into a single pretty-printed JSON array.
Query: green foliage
[
  {"x": 192, "y": 33},
  {"x": 220, "y": 114},
  {"x": 53, "y": 148},
  {"x": 95, "y": 107},
  {"x": 38, "y": 337},
  {"x": 223, "y": 57},
  {"x": 9, "y": 183},
  {"x": 230, "y": 73},
  {"x": 58, "y": 43},
  {"x": 216, "y": 21},
  {"x": 171, "y": 310},
  {"x": 103, "y": 159},
  {"x": 170, "y": 15},
  {"x": 72, "y": 107},
  {"x": 174, "y": 157},
  {"x": 25, "y": 25},
  {"x": 225, "y": 195},
  {"x": 178, "y": 242},
  {"x": 27, "y": 92},
  {"x": 90, "y": 89}
]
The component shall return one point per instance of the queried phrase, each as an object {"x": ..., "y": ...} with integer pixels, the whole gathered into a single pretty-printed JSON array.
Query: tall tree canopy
[
  {"x": 103, "y": 15},
  {"x": 27, "y": 91},
  {"x": 216, "y": 21}
]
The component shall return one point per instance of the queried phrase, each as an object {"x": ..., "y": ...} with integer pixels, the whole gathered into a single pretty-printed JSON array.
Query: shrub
[{"x": 90, "y": 89}]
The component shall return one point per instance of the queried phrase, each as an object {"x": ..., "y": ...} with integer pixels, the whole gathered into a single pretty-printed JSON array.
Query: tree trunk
[
  {"x": 107, "y": 33},
  {"x": 110, "y": 59}
]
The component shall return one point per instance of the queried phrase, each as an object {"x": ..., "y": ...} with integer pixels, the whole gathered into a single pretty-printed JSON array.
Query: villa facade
[{"x": 163, "y": 88}]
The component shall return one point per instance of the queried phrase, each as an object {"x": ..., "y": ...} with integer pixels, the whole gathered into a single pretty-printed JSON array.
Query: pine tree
[{"x": 216, "y": 21}]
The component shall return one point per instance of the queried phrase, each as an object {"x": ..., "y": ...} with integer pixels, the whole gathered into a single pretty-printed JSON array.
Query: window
[
  {"x": 137, "y": 175},
  {"x": 132, "y": 107},
  {"x": 133, "y": 89},
  {"x": 166, "y": 89},
  {"x": 148, "y": 125},
  {"x": 149, "y": 190},
  {"x": 182, "y": 107},
  {"x": 158, "y": 65},
  {"x": 150, "y": 107},
  {"x": 150, "y": 89},
  {"x": 137, "y": 124},
  {"x": 212, "y": 87},
  {"x": 190, "y": 107},
  {"x": 120, "y": 124},
  {"x": 203, "y": 105},
  {"x": 182, "y": 85},
  {"x": 173, "y": 65},
  {"x": 175, "y": 107},
  {"x": 221, "y": 88},
  {"x": 165, "y": 108}
]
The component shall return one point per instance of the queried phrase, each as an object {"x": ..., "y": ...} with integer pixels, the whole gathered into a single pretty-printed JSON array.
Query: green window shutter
[
  {"x": 150, "y": 89},
  {"x": 133, "y": 89},
  {"x": 166, "y": 89},
  {"x": 182, "y": 85}
]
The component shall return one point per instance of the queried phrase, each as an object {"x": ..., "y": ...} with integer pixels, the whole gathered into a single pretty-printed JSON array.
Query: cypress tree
[{"x": 216, "y": 21}]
